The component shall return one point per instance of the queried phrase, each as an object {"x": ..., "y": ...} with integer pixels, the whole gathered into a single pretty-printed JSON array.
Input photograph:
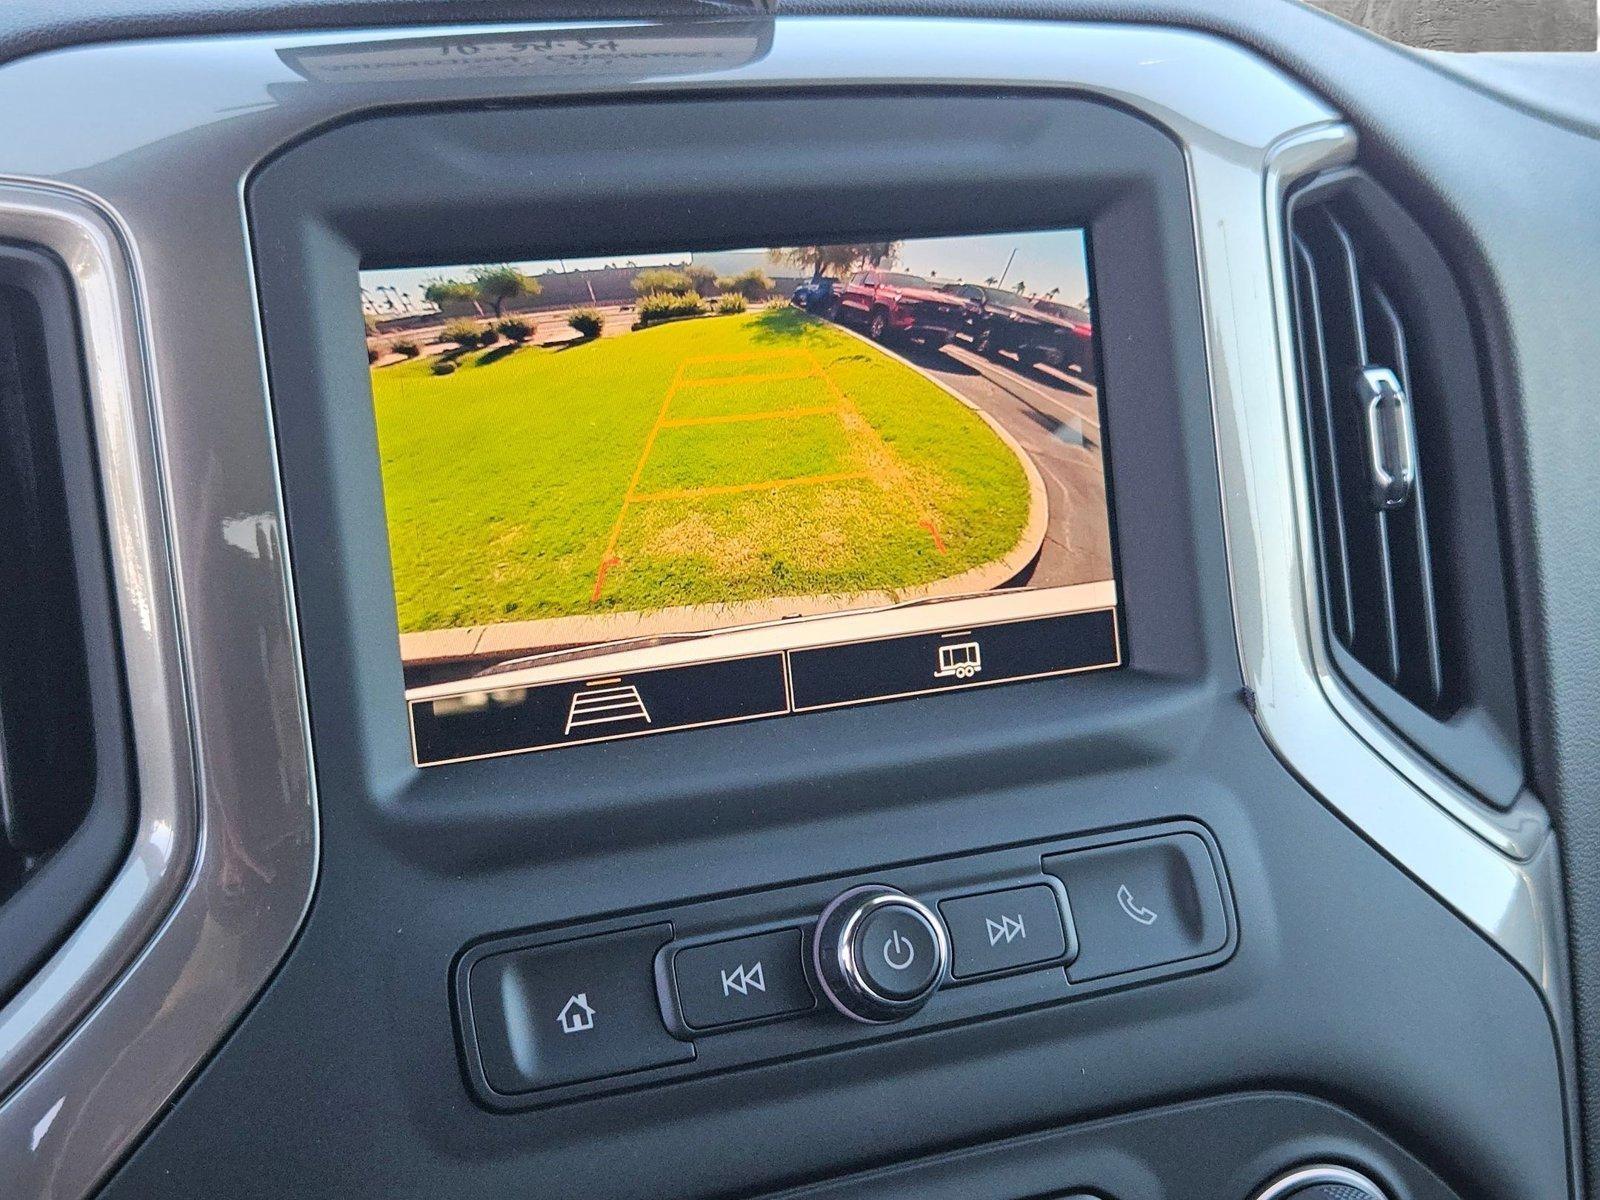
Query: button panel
[
  {"x": 1002, "y": 931},
  {"x": 717, "y": 985}
]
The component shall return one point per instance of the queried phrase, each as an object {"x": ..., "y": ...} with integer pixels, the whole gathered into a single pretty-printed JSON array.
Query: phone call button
[{"x": 1142, "y": 904}]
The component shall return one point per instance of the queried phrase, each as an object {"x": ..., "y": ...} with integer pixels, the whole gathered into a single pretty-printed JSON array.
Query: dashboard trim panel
[{"x": 190, "y": 466}]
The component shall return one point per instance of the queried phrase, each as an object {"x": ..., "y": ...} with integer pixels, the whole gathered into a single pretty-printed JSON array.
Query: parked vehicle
[
  {"x": 816, "y": 295},
  {"x": 893, "y": 304},
  {"x": 1036, "y": 331}
]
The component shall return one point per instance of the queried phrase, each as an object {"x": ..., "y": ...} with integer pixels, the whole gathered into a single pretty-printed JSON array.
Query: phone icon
[{"x": 1133, "y": 908}]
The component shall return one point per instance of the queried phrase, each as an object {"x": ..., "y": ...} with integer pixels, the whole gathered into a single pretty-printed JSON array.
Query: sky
[{"x": 1042, "y": 261}]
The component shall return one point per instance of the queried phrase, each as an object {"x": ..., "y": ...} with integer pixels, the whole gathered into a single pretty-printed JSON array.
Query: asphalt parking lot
[{"x": 1055, "y": 417}]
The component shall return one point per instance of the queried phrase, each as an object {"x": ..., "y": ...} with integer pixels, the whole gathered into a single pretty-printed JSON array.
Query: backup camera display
[{"x": 641, "y": 493}]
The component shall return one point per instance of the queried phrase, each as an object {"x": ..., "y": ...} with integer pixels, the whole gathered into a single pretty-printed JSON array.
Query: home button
[{"x": 570, "y": 1011}]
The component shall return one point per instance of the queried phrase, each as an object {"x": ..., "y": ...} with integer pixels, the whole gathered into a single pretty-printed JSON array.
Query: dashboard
[{"x": 902, "y": 603}]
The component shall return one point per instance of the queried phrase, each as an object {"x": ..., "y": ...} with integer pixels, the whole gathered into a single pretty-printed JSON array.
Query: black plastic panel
[
  {"x": 1127, "y": 953},
  {"x": 1220, "y": 1149}
]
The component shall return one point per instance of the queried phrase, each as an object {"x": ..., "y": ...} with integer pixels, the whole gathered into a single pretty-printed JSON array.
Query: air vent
[
  {"x": 1397, "y": 420},
  {"x": 1358, "y": 387},
  {"x": 64, "y": 796}
]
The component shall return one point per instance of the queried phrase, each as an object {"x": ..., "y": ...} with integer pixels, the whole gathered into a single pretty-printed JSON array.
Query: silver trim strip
[
  {"x": 119, "y": 1017},
  {"x": 167, "y": 827},
  {"x": 167, "y": 266}
]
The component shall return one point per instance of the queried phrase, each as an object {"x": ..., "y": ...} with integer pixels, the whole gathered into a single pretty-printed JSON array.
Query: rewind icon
[{"x": 743, "y": 979}]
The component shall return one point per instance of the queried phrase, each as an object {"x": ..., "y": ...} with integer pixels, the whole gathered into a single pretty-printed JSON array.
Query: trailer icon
[{"x": 960, "y": 660}]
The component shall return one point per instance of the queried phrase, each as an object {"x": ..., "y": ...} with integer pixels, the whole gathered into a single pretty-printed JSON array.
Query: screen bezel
[{"x": 427, "y": 187}]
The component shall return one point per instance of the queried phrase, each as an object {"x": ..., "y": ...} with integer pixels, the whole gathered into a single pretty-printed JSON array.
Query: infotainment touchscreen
[{"x": 652, "y": 492}]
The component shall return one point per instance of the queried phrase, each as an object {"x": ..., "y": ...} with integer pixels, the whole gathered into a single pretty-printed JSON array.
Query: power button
[
  {"x": 898, "y": 952},
  {"x": 879, "y": 954}
]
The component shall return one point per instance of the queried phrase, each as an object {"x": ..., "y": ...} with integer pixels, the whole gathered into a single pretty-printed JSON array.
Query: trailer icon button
[{"x": 959, "y": 660}]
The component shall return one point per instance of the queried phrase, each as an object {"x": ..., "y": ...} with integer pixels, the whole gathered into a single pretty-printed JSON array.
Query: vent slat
[
  {"x": 1318, "y": 391},
  {"x": 1366, "y": 535},
  {"x": 1421, "y": 662},
  {"x": 1375, "y": 565}
]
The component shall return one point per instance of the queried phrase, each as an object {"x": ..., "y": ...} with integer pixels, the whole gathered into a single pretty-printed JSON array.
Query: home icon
[{"x": 576, "y": 1015}]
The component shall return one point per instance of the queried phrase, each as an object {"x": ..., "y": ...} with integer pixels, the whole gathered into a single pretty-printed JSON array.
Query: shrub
[
  {"x": 444, "y": 366},
  {"x": 662, "y": 279},
  {"x": 752, "y": 284},
  {"x": 586, "y": 321},
  {"x": 460, "y": 333},
  {"x": 372, "y": 354},
  {"x": 406, "y": 348},
  {"x": 731, "y": 304},
  {"x": 487, "y": 336},
  {"x": 702, "y": 279},
  {"x": 659, "y": 306},
  {"x": 515, "y": 329}
]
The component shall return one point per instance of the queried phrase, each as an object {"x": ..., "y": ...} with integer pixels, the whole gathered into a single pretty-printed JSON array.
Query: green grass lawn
[{"x": 504, "y": 482}]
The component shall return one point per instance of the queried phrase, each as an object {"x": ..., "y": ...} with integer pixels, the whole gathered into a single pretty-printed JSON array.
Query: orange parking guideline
[
  {"x": 842, "y": 406},
  {"x": 747, "y": 356},
  {"x": 927, "y": 522},
  {"x": 768, "y": 377},
  {"x": 820, "y": 410},
  {"x": 764, "y": 485},
  {"x": 609, "y": 559}
]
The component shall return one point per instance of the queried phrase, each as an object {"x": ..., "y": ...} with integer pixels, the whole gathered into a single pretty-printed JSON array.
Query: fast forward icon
[{"x": 1007, "y": 929}]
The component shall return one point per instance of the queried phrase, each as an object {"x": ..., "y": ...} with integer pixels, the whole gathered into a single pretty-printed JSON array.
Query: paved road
[{"x": 1055, "y": 418}]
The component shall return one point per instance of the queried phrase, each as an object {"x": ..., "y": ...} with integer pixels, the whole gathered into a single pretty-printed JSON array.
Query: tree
[
  {"x": 663, "y": 279},
  {"x": 440, "y": 292},
  {"x": 991, "y": 281},
  {"x": 839, "y": 259},
  {"x": 496, "y": 284},
  {"x": 703, "y": 279},
  {"x": 1022, "y": 288}
]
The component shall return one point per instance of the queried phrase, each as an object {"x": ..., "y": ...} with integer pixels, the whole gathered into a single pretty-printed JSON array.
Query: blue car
[{"x": 816, "y": 295}]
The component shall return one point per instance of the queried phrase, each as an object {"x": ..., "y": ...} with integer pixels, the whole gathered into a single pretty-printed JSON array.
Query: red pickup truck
[
  {"x": 1036, "y": 331},
  {"x": 893, "y": 304}
]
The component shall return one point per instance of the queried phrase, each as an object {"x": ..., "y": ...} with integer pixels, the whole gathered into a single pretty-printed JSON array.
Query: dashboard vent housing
[
  {"x": 1396, "y": 419},
  {"x": 1356, "y": 383},
  {"x": 65, "y": 796}
]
